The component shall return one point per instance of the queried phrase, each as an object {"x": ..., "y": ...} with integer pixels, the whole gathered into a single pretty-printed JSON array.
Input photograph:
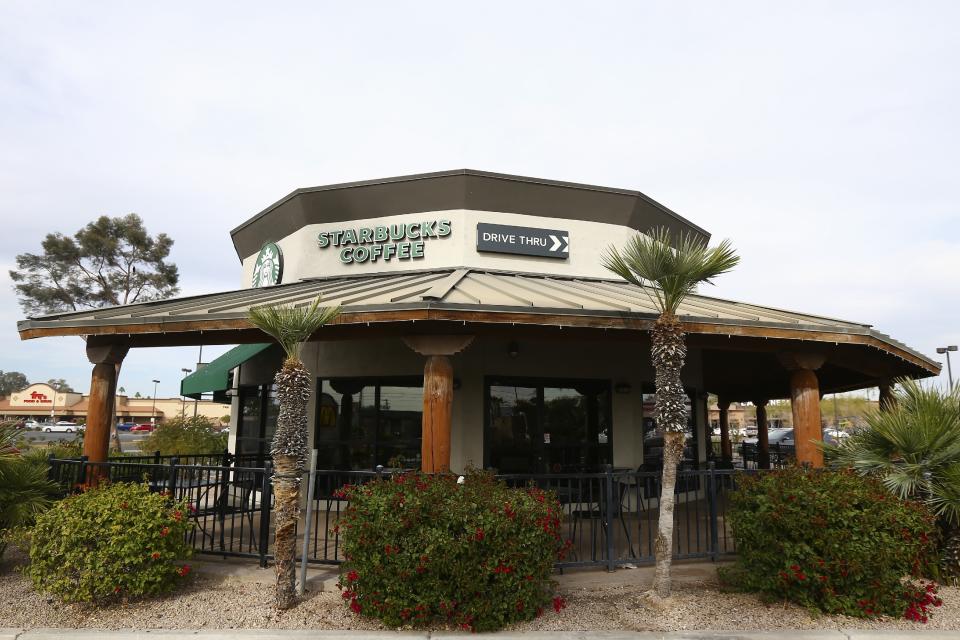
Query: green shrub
[
  {"x": 25, "y": 491},
  {"x": 832, "y": 541},
  {"x": 423, "y": 550},
  {"x": 182, "y": 436},
  {"x": 112, "y": 542}
]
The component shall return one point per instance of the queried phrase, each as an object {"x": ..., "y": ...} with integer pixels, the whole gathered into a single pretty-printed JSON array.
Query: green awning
[{"x": 215, "y": 376}]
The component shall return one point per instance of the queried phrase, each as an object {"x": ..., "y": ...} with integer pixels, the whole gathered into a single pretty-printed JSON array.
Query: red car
[{"x": 142, "y": 427}]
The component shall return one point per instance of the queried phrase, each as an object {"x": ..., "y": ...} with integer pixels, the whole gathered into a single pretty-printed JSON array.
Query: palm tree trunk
[
  {"x": 289, "y": 456},
  {"x": 668, "y": 353}
]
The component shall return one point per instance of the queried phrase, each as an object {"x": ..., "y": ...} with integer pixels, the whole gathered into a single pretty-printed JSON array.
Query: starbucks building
[{"x": 480, "y": 328}]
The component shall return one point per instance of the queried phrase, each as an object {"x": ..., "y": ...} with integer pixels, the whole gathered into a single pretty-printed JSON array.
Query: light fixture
[{"x": 513, "y": 349}]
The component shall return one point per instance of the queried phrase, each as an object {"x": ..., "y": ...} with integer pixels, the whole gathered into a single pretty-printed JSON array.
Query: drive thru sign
[{"x": 525, "y": 241}]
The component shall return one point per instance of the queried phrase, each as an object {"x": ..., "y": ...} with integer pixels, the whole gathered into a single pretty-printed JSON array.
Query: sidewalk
[{"x": 67, "y": 634}]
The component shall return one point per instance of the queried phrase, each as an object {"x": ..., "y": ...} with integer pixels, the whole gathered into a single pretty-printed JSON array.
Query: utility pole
[{"x": 153, "y": 409}]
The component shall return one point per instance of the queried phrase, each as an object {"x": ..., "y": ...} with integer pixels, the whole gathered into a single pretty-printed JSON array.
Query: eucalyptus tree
[
  {"x": 291, "y": 327},
  {"x": 669, "y": 269}
]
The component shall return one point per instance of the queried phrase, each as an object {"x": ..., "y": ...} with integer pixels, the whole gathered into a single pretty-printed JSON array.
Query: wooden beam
[
  {"x": 437, "y": 413},
  {"x": 103, "y": 392},
  {"x": 763, "y": 435},
  {"x": 726, "y": 447},
  {"x": 805, "y": 402}
]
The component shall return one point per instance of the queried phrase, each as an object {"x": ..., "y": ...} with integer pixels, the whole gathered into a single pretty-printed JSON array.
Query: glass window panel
[
  {"x": 401, "y": 413},
  {"x": 514, "y": 430},
  {"x": 361, "y": 424}
]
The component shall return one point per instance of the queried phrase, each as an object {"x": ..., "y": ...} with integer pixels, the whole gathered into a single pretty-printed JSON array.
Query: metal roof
[{"x": 461, "y": 289}]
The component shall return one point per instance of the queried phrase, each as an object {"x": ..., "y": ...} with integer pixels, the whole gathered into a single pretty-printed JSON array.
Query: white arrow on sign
[{"x": 556, "y": 242}]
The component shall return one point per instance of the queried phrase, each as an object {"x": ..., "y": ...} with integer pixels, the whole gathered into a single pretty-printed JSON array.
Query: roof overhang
[{"x": 468, "y": 301}]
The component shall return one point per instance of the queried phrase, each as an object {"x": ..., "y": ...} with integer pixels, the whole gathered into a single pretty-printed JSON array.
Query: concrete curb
[{"x": 308, "y": 634}]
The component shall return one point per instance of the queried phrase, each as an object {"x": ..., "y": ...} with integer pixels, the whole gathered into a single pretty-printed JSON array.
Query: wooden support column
[
  {"x": 437, "y": 397},
  {"x": 805, "y": 403},
  {"x": 103, "y": 392},
  {"x": 726, "y": 447},
  {"x": 763, "y": 436},
  {"x": 887, "y": 400}
]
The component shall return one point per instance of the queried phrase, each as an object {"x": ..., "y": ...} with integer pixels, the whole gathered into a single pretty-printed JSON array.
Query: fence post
[
  {"x": 266, "y": 497},
  {"x": 712, "y": 504},
  {"x": 51, "y": 474},
  {"x": 308, "y": 521},
  {"x": 156, "y": 457},
  {"x": 82, "y": 479},
  {"x": 609, "y": 516},
  {"x": 172, "y": 478},
  {"x": 379, "y": 471}
]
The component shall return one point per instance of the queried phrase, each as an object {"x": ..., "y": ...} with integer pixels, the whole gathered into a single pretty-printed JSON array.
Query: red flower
[
  {"x": 164, "y": 531},
  {"x": 559, "y": 603},
  {"x": 795, "y": 567},
  {"x": 116, "y": 589},
  {"x": 478, "y": 536},
  {"x": 355, "y": 606},
  {"x": 184, "y": 570},
  {"x": 178, "y": 515},
  {"x": 353, "y": 576},
  {"x": 155, "y": 555}
]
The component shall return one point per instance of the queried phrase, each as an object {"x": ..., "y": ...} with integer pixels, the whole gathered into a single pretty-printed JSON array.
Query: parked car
[
  {"x": 782, "y": 436},
  {"x": 142, "y": 427},
  {"x": 61, "y": 427},
  {"x": 31, "y": 424},
  {"x": 126, "y": 426}
]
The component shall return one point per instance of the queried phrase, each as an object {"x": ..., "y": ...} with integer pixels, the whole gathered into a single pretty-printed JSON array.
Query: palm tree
[
  {"x": 25, "y": 491},
  {"x": 291, "y": 326},
  {"x": 668, "y": 270},
  {"x": 913, "y": 447}
]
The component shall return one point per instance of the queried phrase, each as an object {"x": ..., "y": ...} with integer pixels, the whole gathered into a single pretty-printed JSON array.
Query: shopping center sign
[
  {"x": 384, "y": 242},
  {"x": 525, "y": 241}
]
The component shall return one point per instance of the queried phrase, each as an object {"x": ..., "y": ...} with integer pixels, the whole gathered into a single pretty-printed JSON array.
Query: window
[
  {"x": 538, "y": 426},
  {"x": 257, "y": 423},
  {"x": 653, "y": 437},
  {"x": 365, "y": 422}
]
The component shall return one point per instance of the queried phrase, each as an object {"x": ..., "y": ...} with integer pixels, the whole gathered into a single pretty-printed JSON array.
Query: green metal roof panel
[{"x": 215, "y": 376}]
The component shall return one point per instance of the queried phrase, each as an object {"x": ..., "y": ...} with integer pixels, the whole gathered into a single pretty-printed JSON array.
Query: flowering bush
[
  {"x": 422, "y": 550},
  {"x": 833, "y": 541},
  {"x": 112, "y": 542}
]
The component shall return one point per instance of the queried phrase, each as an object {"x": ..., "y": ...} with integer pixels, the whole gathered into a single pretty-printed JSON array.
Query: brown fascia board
[{"x": 457, "y": 189}]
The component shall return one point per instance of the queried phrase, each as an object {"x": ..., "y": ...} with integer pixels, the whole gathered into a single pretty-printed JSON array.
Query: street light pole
[
  {"x": 947, "y": 351},
  {"x": 153, "y": 409},
  {"x": 183, "y": 400}
]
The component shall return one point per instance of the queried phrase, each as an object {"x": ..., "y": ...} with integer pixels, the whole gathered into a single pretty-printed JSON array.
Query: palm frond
[
  {"x": 913, "y": 447},
  {"x": 667, "y": 268},
  {"x": 291, "y": 326}
]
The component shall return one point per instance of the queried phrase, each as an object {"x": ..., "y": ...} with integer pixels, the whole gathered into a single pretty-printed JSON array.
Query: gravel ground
[{"x": 226, "y": 602}]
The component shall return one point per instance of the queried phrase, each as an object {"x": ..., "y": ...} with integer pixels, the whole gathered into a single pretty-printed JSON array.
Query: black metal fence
[{"x": 610, "y": 517}]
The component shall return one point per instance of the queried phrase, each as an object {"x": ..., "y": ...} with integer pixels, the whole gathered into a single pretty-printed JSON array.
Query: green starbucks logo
[{"x": 269, "y": 267}]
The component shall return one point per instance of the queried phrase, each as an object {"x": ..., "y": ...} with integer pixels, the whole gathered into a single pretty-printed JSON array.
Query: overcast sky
[{"x": 821, "y": 137}]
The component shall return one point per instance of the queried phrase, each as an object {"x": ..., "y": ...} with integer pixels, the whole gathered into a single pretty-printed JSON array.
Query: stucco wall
[{"x": 302, "y": 258}]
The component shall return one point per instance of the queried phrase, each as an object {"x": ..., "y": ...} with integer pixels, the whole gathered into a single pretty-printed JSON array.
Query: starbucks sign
[
  {"x": 269, "y": 266},
  {"x": 386, "y": 242}
]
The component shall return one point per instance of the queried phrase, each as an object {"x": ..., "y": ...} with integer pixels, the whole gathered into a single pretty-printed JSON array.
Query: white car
[
  {"x": 31, "y": 424},
  {"x": 61, "y": 427}
]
